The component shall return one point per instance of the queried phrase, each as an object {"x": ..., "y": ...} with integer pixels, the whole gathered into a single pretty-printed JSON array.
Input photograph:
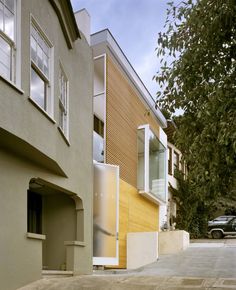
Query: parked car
[
  {"x": 221, "y": 219},
  {"x": 219, "y": 230}
]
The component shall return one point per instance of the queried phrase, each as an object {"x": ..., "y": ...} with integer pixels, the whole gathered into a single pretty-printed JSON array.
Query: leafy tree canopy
[{"x": 198, "y": 74}]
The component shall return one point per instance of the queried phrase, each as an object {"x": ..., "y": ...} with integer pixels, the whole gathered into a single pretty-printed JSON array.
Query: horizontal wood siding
[
  {"x": 125, "y": 113},
  {"x": 137, "y": 214}
]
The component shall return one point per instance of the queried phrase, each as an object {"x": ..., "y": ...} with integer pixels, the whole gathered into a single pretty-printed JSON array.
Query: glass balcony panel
[{"x": 157, "y": 176}]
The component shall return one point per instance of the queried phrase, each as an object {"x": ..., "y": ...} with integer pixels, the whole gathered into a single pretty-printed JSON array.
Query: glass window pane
[
  {"x": 33, "y": 49},
  {"x": 37, "y": 89},
  {"x": 5, "y": 59},
  {"x": 10, "y": 5},
  {"x": 1, "y": 16},
  {"x": 46, "y": 65},
  {"x": 44, "y": 45},
  {"x": 9, "y": 23},
  {"x": 63, "y": 101},
  {"x": 156, "y": 167},
  {"x": 141, "y": 159},
  {"x": 34, "y": 33},
  {"x": 41, "y": 48},
  {"x": 40, "y": 57}
]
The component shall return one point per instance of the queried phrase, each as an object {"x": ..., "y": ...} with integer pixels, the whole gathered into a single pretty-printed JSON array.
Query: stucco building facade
[{"x": 46, "y": 122}]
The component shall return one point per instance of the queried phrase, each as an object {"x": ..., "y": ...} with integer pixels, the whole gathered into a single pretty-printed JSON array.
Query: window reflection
[
  {"x": 5, "y": 59},
  {"x": 9, "y": 23},
  {"x": 39, "y": 51},
  {"x": 1, "y": 16},
  {"x": 7, "y": 35},
  {"x": 40, "y": 76},
  {"x": 37, "y": 89}
]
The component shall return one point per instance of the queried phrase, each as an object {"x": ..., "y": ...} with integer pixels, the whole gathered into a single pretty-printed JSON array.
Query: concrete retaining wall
[
  {"x": 142, "y": 249},
  {"x": 171, "y": 242}
]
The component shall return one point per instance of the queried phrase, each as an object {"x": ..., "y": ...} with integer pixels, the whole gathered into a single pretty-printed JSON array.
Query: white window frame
[
  {"x": 146, "y": 190},
  {"x": 11, "y": 42},
  {"x": 48, "y": 80},
  {"x": 64, "y": 108}
]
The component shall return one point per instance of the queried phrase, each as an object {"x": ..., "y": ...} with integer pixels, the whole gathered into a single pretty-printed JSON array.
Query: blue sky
[{"x": 135, "y": 25}]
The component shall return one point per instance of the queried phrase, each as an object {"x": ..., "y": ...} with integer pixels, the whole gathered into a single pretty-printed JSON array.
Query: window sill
[
  {"x": 13, "y": 85},
  {"x": 42, "y": 110},
  {"x": 155, "y": 199},
  {"x": 74, "y": 243},
  {"x": 35, "y": 236},
  {"x": 64, "y": 136}
]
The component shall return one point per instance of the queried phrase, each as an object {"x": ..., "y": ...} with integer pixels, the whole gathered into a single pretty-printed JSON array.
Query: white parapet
[
  {"x": 83, "y": 21},
  {"x": 171, "y": 242},
  {"x": 142, "y": 249}
]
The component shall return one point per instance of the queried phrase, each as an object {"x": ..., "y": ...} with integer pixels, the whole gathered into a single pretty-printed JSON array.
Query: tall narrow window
[
  {"x": 7, "y": 38},
  {"x": 40, "y": 68},
  {"x": 63, "y": 103}
]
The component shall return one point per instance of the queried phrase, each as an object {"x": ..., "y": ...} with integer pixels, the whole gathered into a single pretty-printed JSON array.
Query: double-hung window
[
  {"x": 63, "y": 103},
  {"x": 40, "y": 68},
  {"x": 7, "y": 38}
]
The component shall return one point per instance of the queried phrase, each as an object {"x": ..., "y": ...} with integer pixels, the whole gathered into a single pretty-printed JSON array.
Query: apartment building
[
  {"x": 130, "y": 154},
  {"x": 46, "y": 122}
]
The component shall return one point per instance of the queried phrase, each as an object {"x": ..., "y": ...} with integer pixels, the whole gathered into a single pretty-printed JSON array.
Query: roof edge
[
  {"x": 106, "y": 36},
  {"x": 67, "y": 20}
]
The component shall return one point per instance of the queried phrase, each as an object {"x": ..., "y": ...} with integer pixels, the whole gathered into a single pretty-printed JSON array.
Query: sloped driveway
[{"x": 204, "y": 265}]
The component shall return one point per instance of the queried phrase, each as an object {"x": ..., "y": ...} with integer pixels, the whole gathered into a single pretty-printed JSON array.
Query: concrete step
[{"x": 47, "y": 274}]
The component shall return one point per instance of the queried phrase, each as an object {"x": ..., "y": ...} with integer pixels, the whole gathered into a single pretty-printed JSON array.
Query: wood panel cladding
[
  {"x": 137, "y": 214},
  {"x": 125, "y": 113}
]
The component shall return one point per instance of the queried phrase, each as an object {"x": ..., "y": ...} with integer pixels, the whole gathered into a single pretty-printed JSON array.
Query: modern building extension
[
  {"x": 130, "y": 153},
  {"x": 46, "y": 122}
]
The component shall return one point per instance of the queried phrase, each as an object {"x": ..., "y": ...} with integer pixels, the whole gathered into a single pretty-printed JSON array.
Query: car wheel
[{"x": 217, "y": 235}]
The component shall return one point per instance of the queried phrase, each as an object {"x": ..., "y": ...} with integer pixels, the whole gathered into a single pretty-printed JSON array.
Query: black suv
[{"x": 218, "y": 231}]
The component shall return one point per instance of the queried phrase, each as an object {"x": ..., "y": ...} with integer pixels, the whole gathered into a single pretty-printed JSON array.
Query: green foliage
[
  {"x": 230, "y": 210},
  {"x": 192, "y": 215},
  {"x": 198, "y": 56}
]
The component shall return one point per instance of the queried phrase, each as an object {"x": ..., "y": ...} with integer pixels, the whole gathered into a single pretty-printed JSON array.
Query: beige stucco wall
[
  {"x": 33, "y": 147},
  {"x": 59, "y": 225}
]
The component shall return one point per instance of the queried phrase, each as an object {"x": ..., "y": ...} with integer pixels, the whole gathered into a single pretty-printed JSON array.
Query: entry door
[{"x": 106, "y": 214}]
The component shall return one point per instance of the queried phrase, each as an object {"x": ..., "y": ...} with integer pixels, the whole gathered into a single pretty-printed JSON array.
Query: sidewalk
[{"x": 205, "y": 265}]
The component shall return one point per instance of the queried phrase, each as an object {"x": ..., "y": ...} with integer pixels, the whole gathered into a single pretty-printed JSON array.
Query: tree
[{"x": 198, "y": 75}]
